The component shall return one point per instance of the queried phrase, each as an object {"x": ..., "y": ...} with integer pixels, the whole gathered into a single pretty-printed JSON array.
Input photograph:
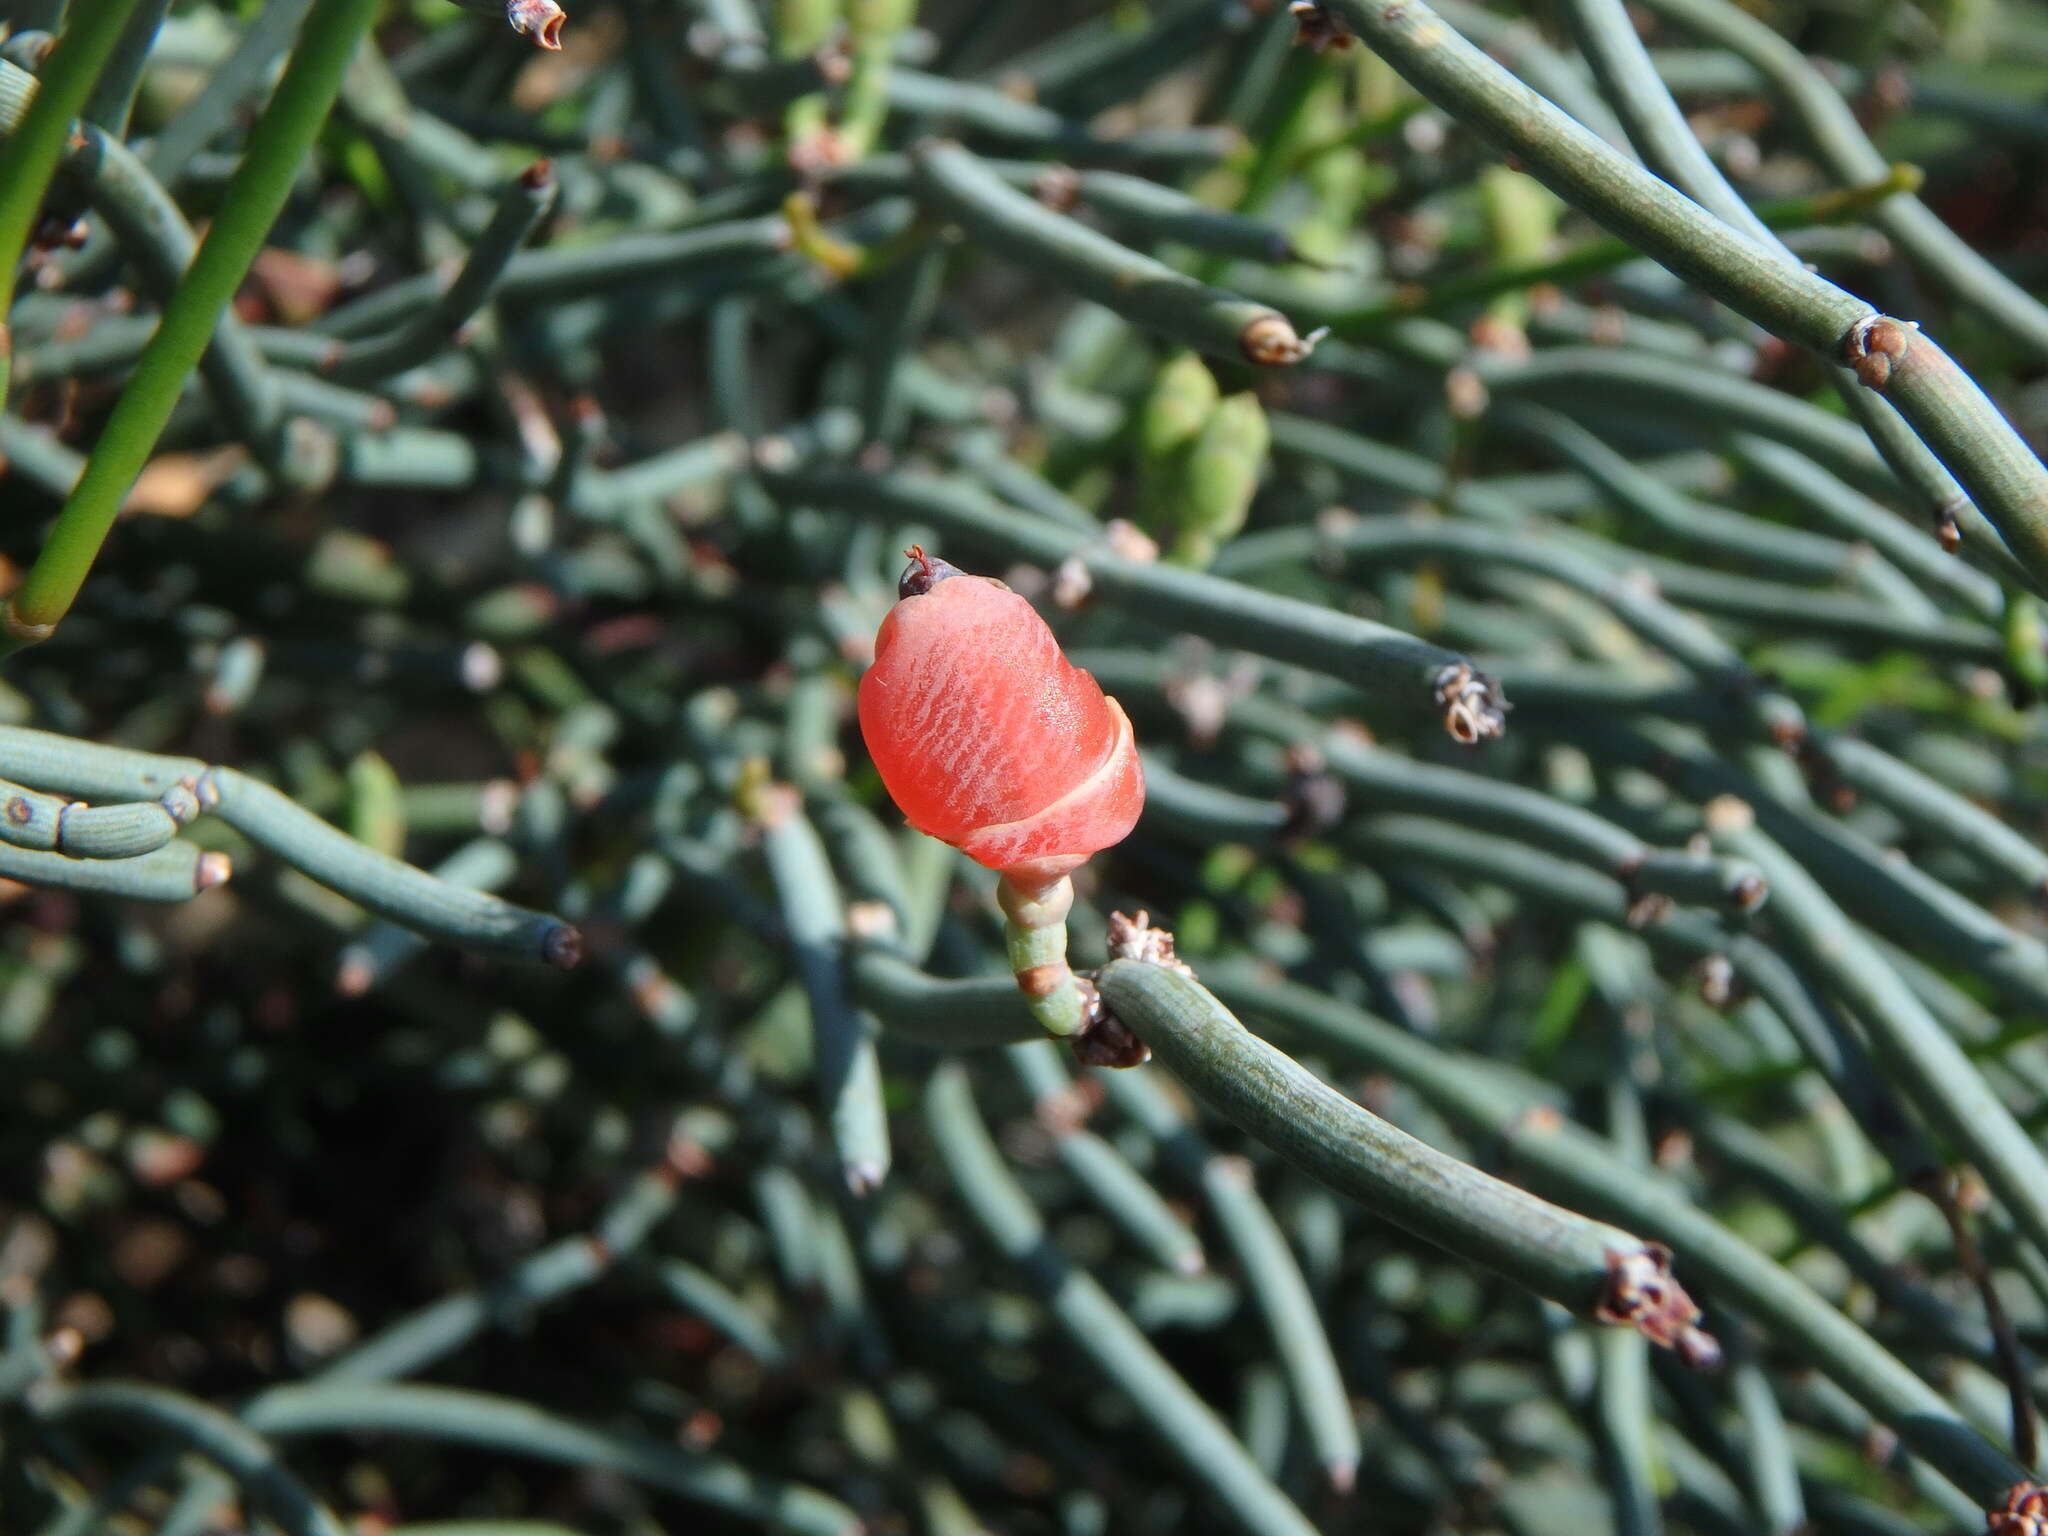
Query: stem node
[{"x": 1873, "y": 345}]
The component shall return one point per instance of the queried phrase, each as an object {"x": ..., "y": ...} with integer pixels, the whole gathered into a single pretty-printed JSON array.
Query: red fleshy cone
[{"x": 988, "y": 738}]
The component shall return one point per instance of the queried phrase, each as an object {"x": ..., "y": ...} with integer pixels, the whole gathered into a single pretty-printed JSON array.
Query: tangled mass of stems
[{"x": 1422, "y": 909}]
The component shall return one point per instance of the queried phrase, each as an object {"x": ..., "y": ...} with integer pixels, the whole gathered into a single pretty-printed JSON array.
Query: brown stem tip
[
  {"x": 1642, "y": 1294},
  {"x": 924, "y": 572},
  {"x": 2024, "y": 1512},
  {"x": 540, "y": 20},
  {"x": 1473, "y": 707},
  {"x": 1315, "y": 28},
  {"x": 562, "y": 948},
  {"x": 1105, "y": 1040},
  {"x": 1134, "y": 938},
  {"x": 1272, "y": 342}
]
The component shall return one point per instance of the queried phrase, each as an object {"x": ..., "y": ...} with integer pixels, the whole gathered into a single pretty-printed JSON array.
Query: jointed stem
[
  {"x": 1035, "y": 933},
  {"x": 277, "y": 145},
  {"x": 1943, "y": 404},
  {"x": 28, "y": 158}
]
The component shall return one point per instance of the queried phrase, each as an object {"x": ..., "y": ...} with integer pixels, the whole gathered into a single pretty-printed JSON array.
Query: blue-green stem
[{"x": 277, "y": 145}]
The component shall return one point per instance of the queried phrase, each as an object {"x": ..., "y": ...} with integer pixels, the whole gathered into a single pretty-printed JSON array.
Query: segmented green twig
[
  {"x": 1949, "y": 410},
  {"x": 1596, "y": 1270},
  {"x": 274, "y": 822},
  {"x": 36, "y": 140},
  {"x": 277, "y": 144}
]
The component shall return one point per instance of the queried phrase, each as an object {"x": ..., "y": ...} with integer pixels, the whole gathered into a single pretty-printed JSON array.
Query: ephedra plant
[{"x": 1421, "y": 909}]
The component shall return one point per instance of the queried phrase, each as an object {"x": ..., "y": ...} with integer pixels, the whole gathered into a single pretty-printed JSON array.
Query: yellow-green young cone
[
  {"x": 1219, "y": 478},
  {"x": 376, "y": 805},
  {"x": 802, "y": 27},
  {"x": 1521, "y": 227},
  {"x": 872, "y": 26},
  {"x": 2024, "y": 641},
  {"x": 879, "y": 18},
  {"x": 1170, "y": 417},
  {"x": 1183, "y": 394}
]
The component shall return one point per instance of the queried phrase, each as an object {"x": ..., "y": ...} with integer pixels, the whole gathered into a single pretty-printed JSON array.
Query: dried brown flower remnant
[
  {"x": 540, "y": 20},
  {"x": 2024, "y": 1512},
  {"x": 1106, "y": 1041},
  {"x": 1272, "y": 342},
  {"x": 1474, "y": 710},
  {"x": 1642, "y": 1294},
  {"x": 1316, "y": 28},
  {"x": 1134, "y": 938}
]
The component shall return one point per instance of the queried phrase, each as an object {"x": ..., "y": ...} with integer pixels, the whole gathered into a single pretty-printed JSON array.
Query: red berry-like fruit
[{"x": 987, "y": 737}]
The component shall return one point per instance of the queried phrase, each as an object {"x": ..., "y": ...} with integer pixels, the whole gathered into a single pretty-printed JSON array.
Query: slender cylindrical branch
[
  {"x": 1925, "y": 1059},
  {"x": 1035, "y": 938},
  {"x": 53, "y": 824},
  {"x": 976, "y": 1013},
  {"x": 40, "y": 130},
  {"x": 1093, "y": 1323},
  {"x": 1952, "y": 414},
  {"x": 1101, "y": 1172},
  {"x": 849, "y": 1072},
  {"x": 176, "y": 871},
  {"x": 272, "y": 820},
  {"x": 1924, "y": 802},
  {"x": 1559, "y": 1156},
  {"x": 522, "y": 206},
  {"x": 192, "y": 1425},
  {"x": 1597, "y": 1270},
  {"x": 277, "y": 145},
  {"x": 1410, "y": 674},
  {"x": 1147, "y": 292}
]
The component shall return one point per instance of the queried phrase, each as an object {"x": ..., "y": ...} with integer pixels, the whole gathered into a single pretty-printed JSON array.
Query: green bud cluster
[{"x": 1201, "y": 455}]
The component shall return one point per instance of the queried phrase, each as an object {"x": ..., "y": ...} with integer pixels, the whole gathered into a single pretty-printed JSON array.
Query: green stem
[
  {"x": 29, "y": 157},
  {"x": 1589, "y": 258},
  {"x": 1951, "y": 412},
  {"x": 1144, "y": 291},
  {"x": 1562, "y": 1157},
  {"x": 1579, "y": 1263},
  {"x": 1035, "y": 934},
  {"x": 1094, "y": 1324},
  {"x": 277, "y": 145},
  {"x": 1829, "y": 125}
]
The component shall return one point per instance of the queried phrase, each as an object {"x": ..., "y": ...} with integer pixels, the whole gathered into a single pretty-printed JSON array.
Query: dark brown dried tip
[
  {"x": 1748, "y": 892},
  {"x": 2024, "y": 1512},
  {"x": 563, "y": 948},
  {"x": 1104, "y": 1039},
  {"x": 540, "y": 20},
  {"x": 1473, "y": 707},
  {"x": 1109, "y": 1043},
  {"x": 1314, "y": 797},
  {"x": 1717, "y": 981},
  {"x": 1134, "y": 938},
  {"x": 1316, "y": 28},
  {"x": 1641, "y": 1294},
  {"x": 1873, "y": 345},
  {"x": 863, "y": 1179},
  {"x": 1271, "y": 341},
  {"x": 1647, "y": 908},
  {"x": 924, "y": 573}
]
